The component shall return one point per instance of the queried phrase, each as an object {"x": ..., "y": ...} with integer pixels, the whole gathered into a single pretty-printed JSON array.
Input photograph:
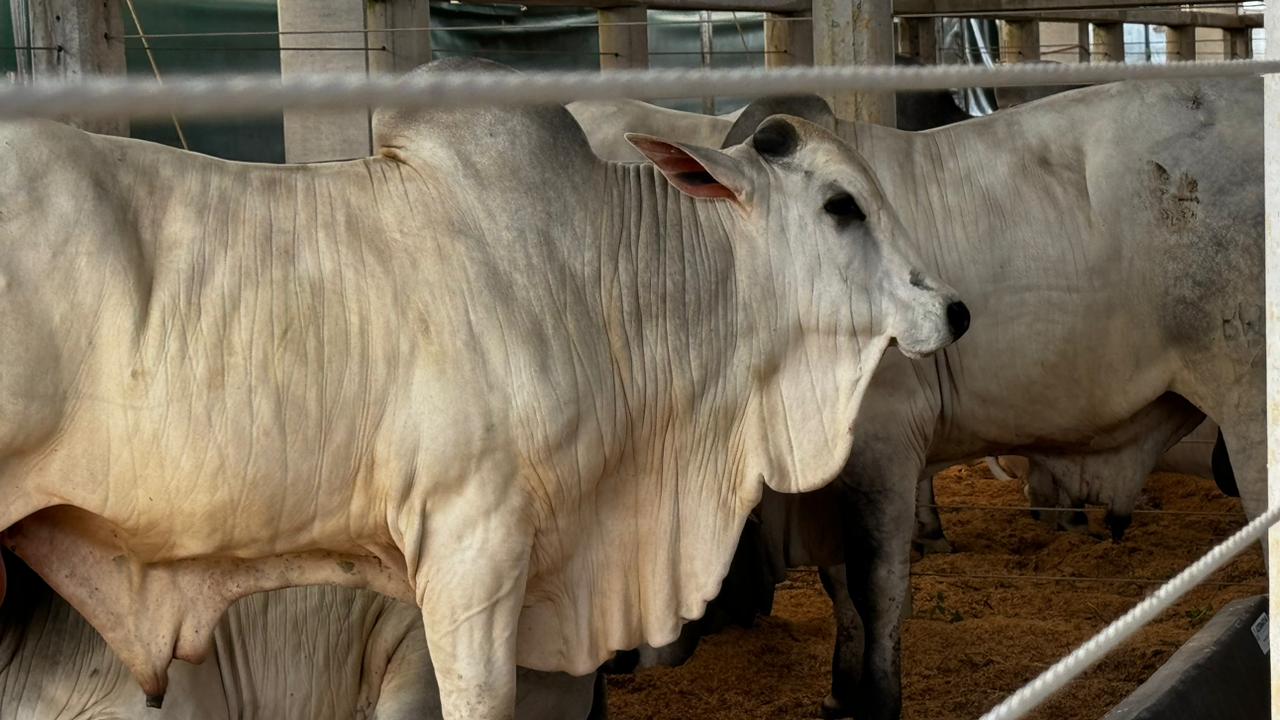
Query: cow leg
[
  {"x": 846, "y": 660},
  {"x": 600, "y": 698},
  {"x": 1246, "y": 442},
  {"x": 470, "y": 585},
  {"x": 929, "y": 535},
  {"x": 1220, "y": 463},
  {"x": 879, "y": 505}
]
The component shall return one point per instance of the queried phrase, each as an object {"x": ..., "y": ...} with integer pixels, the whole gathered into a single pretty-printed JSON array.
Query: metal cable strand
[
  {"x": 1067, "y": 669},
  {"x": 1086, "y": 509},
  {"x": 223, "y": 96}
]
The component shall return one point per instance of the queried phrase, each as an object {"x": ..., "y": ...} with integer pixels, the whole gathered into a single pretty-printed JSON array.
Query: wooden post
[
  {"x": 856, "y": 32},
  {"x": 623, "y": 45},
  {"x": 89, "y": 37},
  {"x": 1019, "y": 41},
  {"x": 919, "y": 39},
  {"x": 1180, "y": 42},
  {"x": 311, "y": 136},
  {"x": 788, "y": 40},
  {"x": 1237, "y": 44},
  {"x": 1108, "y": 42}
]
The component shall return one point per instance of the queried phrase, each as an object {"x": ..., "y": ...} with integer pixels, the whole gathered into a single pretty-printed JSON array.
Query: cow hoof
[
  {"x": 1118, "y": 524},
  {"x": 155, "y": 701},
  {"x": 935, "y": 546},
  {"x": 833, "y": 709}
]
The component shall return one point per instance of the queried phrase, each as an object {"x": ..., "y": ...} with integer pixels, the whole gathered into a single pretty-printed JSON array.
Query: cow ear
[{"x": 696, "y": 171}]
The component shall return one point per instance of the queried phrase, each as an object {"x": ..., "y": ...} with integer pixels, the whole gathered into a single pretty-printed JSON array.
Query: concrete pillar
[
  {"x": 1180, "y": 42},
  {"x": 311, "y": 136},
  {"x": 1064, "y": 42},
  {"x": 1237, "y": 44},
  {"x": 1108, "y": 42},
  {"x": 623, "y": 45},
  {"x": 398, "y": 52},
  {"x": 788, "y": 40},
  {"x": 1019, "y": 41},
  {"x": 409, "y": 49},
  {"x": 89, "y": 37},
  {"x": 918, "y": 38},
  {"x": 856, "y": 32}
]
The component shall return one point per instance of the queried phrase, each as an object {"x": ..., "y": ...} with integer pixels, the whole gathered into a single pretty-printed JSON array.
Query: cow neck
[{"x": 672, "y": 292}]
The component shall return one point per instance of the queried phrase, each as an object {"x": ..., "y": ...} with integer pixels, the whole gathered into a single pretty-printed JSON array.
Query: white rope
[
  {"x": 1070, "y": 667},
  {"x": 246, "y": 95}
]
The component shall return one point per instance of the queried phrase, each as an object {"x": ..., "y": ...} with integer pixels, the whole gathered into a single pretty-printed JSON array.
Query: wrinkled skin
[
  {"x": 1117, "y": 259},
  {"x": 533, "y": 393},
  {"x": 311, "y": 653},
  {"x": 1129, "y": 269}
]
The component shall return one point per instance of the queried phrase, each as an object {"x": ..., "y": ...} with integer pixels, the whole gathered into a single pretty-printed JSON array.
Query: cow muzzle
[{"x": 933, "y": 319}]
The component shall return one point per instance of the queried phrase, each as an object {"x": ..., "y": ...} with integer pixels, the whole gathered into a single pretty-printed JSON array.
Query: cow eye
[{"x": 843, "y": 206}]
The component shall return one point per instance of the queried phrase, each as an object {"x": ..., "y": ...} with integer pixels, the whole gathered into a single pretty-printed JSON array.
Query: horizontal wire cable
[
  {"x": 1078, "y": 579},
  {"x": 222, "y": 96},
  {"x": 1035, "y": 508},
  {"x": 1083, "y": 579}
]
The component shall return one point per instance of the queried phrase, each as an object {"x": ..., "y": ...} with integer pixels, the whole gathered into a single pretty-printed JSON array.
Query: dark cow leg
[
  {"x": 600, "y": 699},
  {"x": 1117, "y": 524},
  {"x": 877, "y": 555},
  {"x": 929, "y": 535},
  {"x": 846, "y": 660},
  {"x": 1222, "y": 474}
]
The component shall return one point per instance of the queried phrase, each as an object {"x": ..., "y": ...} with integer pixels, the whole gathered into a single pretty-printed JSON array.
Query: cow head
[{"x": 832, "y": 244}]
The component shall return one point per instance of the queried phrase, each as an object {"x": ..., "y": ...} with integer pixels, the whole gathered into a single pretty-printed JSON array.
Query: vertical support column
[
  {"x": 410, "y": 48},
  {"x": 1271, "y": 168},
  {"x": 1019, "y": 41},
  {"x": 406, "y": 44},
  {"x": 624, "y": 38},
  {"x": 1082, "y": 39},
  {"x": 1108, "y": 42},
  {"x": 21, "y": 38},
  {"x": 1180, "y": 42},
  {"x": 377, "y": 16},
  {"x": 89, "y": 37},
  {"x": 919, "y": 39},
  {"x": 311, "y": 136},
  {"x": 1237, "y": 44},
  {"x": 856, "y": 32},
  {"x": 788, "y": 40},
  {"x": 706, "y": 38}
]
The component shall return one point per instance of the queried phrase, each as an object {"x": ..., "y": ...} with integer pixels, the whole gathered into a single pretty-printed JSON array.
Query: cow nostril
[{"x": 957, "y": 319}]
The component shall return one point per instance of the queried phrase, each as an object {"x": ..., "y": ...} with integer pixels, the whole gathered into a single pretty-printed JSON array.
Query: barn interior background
[{"x": 187, "y": 37}]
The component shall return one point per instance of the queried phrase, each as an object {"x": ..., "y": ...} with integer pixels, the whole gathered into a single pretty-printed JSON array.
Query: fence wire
[{"x": 223, "y": 96}]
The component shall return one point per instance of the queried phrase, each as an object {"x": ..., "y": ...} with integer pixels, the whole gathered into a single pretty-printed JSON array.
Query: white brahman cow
[{"x": 532, "y": 392}]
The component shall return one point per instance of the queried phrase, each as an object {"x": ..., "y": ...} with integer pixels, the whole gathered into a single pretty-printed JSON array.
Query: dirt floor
[{"x": 972, "y": 641}]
